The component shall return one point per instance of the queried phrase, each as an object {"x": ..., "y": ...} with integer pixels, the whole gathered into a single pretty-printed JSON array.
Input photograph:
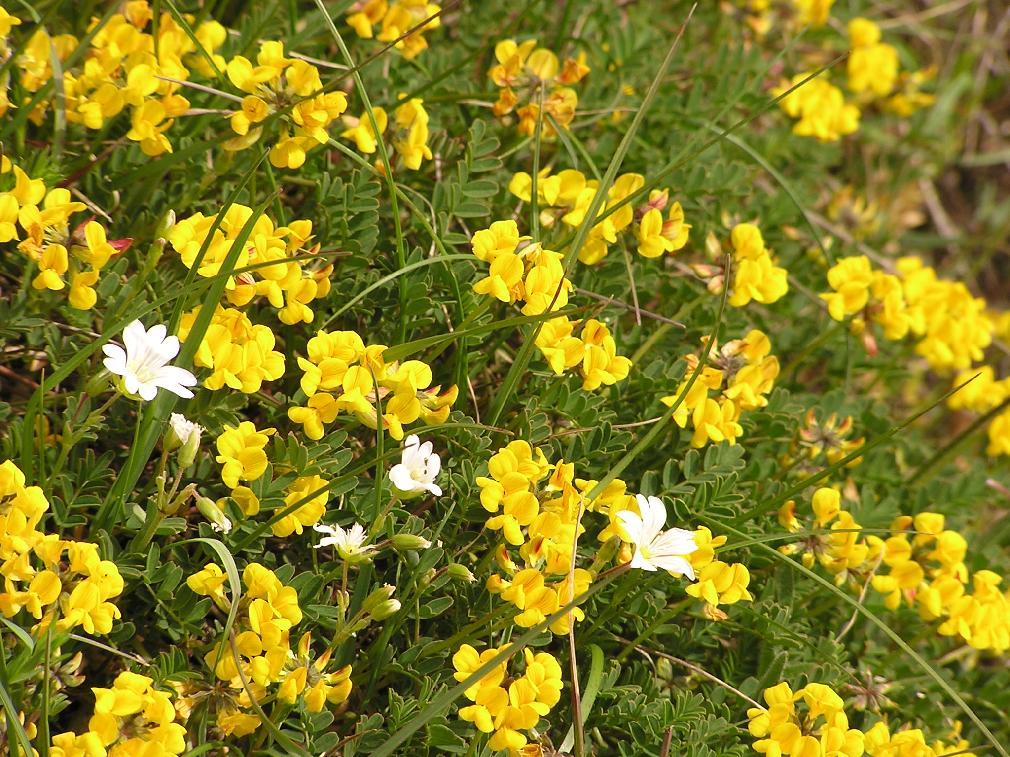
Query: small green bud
[
  {"x": 376, "y": 598},
  {"x": 98, "y": 384},
  {"x": 386, "y": 609},
  {"x": 460, "y": 572},
  {"x": 403, "y": 542},
  {"x": 209, "y": 509}
]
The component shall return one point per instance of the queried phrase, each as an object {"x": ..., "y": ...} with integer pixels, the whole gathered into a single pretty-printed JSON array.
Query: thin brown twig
[
  {"x": 667, "y": 742},
  {"x": 692, "y": 667},
  {"x": 614, "y": 301},
  {"x": 577, "y": 729},
  {"x": 862, "y": 597}
]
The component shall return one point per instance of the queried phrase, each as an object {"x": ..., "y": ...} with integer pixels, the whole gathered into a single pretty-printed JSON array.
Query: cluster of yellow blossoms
[
  {"x": 737, "y": 378},
  {"x": 242, "y": 454},
  {"x": 342, "y": 375},
  {"x": 567, "y": 195},
  {"x": 290, "y": 88},
  {"x": 40, "y": 219},
  {"x": 983, "y": 395},
  {"x": 756, "y": 277},
  {"x": 123, "y": 67},
  {"x": 811, "y": 722},
  {"x": 288, "y": 284},
  {"x": 541, "y": 518},
  {"x": 269, "y": 610},
  {"x": 131, "y": 718},
  {"x": 508, "y": 708},
  {"x": 394, "y": 19},
  {"x": 873, "y": 77},
  {"x": 126, "y": 67},
  {"x": 522, "y": 271},
  {"x": 73, "y": 586},
  {"x": 538, "y": 507},
  {"x": 529, "y": 74},
  {"x": 409, "y": 139},
  {"x": 921, "y": 564},
  {"x": 240, "y": 354},
  {"x": 951, "y": 325}
]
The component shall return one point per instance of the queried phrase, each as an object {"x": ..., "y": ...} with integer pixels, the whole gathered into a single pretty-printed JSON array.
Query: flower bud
[
  {"x": 386, "y": 609},
  {"x": 98, "y": 384},
  {"x": 166, "y": 224},
  {"x": 209, "y": 509},
  {"x": 376, "y": 598},
  {"x": 460, "y": 572},
  {"x": 403, "y": 542},
  {"x": 183, "y": 435}
]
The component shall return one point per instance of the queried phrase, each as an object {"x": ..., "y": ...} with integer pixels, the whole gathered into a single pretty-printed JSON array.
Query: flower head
[
  {"x": 655, "y": 548},
  {"x": 349, "y": 543},
  {"x": 417, "y": 469},
  {"x": 143, "y": 365}
]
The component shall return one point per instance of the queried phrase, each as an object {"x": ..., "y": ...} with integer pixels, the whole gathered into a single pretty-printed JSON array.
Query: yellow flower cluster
[
  {"x": 409, "y": 139},
  {"x": 131, "y": 718},
  {"x": 873, "y": 72},
  {"x": 872, "y": 64},
  {"x": 811, "y": 722},
  {"x": 873, "y": 75},
  {"x": 522, "y": 271},
  {"x": 813, "y": 12},
  {"x": 269, "y": 610},
  {"x": 567, "y": 195},
  {"x": 241, "y": 450},
  {"x": 951, "y": 324},
  {"x": 74, "y": 586},
  {"x": 40, "y": 219},
  {"x": 819, "y": 107},
  {"x": 394, "y": 19},
  {"x": 123, "y": 68},
  {"x": 740, "y": 374},
  {"x": 920, "y": 564},
  {"x": 507, "y": 708},
  {"x": 239, "y": 354},
  {"x": 834, "y": 542},
  {"x": 287, "y": 87},
  {"x": 288, "y": 284},
  {"x": 927, "y": 570},
  {"x": 755, "y": 277},
  {"x": 343, "y": 375},
  {"x": 593, "y": 351},
  {"x": 537, "y": 507},
  {"x": 528, "y": 74}
]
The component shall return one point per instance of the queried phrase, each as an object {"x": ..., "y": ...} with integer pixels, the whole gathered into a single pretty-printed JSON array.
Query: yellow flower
[
  {"x": 820, "y": 108},
  {"x": 872, "y": 65},
  {"x": 241, "y": 451}
]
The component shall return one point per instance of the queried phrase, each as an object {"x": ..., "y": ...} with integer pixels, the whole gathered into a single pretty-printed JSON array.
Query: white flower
[
  {"x": 348, "y": 543},
  {"x": 222, "y": 525},
  {"x": 417, "y": 470},
  {"x": 656, "y": 549},
  {"x": 144, "y": 363}
]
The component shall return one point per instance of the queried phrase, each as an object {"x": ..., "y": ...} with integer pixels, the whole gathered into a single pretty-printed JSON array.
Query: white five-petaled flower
[
  {"x": 656, "y": 549},
  {"x": 349, "y": 543},
  {"x": 144, "y": 363},
  {"x": 417, "y": 470}
]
